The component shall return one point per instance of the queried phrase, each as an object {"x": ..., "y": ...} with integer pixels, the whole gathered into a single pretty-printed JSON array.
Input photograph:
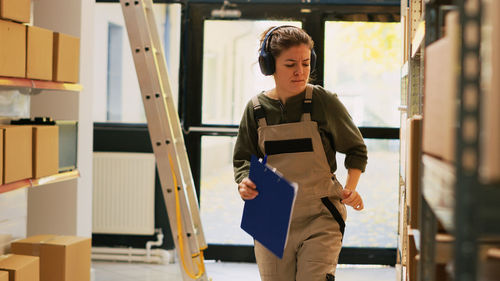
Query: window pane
[
  {"x": 231, "y": 73},
  {"x": 362, "y": 65},
  {"x": 115, "y": 44},
  {"x": 117, "y": 95},
  {"x": 221, "y": 207},
  {"x": 376, "y": 225}
]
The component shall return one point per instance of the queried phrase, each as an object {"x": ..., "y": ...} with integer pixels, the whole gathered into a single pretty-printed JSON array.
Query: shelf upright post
[{"x": 467, "y": 148}]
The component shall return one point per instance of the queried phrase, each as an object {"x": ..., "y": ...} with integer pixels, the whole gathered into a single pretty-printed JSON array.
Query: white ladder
[{"x": 166, "y": 137}]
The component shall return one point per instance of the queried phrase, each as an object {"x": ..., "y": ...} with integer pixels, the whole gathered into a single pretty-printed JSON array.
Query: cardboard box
[
  {"x": 489, "y": 268},
  {"x": 441, "y": 273},
  {"x": 4, "y": 275},
  {"x": 403, "y": 145},
  {"x": 439, "y": 122},
  {"x": 444, "y": 248},
  {"x": 412, "y": 266},
  {"x": 20, "y": 267},
  {"x": 414, "y": 143},
  {"x": 45, "y": 151},
  {"x": 490, "y": 150},
  {"x": 66, "y": 58},
  {"x": 12, "y": 49},
  {"x": 62, "y": 258},
  {"x": 16, "y": 10},
  {"x": 1, "y": 159},
  {"x": 403, "y": 226},
  {"x": 39, "y": 52},
  {"x": 17, "y": 160}
]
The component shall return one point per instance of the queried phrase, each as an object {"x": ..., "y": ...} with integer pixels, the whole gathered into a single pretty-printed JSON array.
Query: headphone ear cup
[
  {"x": 313, "y": 60},
  {"x": 266, "y": 63}
]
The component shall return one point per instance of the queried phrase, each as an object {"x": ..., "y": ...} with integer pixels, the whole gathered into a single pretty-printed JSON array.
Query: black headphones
[{"x": 266, "y": 59}]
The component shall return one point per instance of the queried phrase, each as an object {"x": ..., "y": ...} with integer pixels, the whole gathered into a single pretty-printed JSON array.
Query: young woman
[{"x": 300, "y": 127}]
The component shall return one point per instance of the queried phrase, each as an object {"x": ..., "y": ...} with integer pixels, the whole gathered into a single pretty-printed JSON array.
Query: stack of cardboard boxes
[
  {"x": 413, "y": 144},
  {"x": 28, "y": 152},
  {"x": 440, "y": 98},
  {"x": 33, "y": 52},
  {"x": 47, "y": 258},
  {"x": 439, "y": 130},
  {"x": 441, "y": 101}
]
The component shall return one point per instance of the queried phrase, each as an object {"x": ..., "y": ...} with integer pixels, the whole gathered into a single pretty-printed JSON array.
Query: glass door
[{"x": 220, "y": 74}]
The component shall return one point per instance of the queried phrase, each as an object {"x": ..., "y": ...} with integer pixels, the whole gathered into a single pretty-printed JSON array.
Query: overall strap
[
  {"x": 258, "y": 112},
  {"x": 307, "y": 107}
]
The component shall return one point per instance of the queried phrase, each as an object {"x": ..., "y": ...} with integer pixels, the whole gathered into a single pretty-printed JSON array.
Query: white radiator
[{"x": 124, "y": 193}]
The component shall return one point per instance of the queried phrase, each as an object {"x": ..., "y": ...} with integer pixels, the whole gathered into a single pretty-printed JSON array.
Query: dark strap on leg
[{"x": 335, "y": 213}]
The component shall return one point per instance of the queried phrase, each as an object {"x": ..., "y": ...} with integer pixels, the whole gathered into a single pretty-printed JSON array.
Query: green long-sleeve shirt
[{"x": 336, "y": 128}]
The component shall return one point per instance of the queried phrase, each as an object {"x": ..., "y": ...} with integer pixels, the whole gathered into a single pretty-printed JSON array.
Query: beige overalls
[{"x": 318, "y": 216}]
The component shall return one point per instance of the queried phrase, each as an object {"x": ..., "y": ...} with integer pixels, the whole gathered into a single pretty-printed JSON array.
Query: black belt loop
[{"x": 335, "y": 213}]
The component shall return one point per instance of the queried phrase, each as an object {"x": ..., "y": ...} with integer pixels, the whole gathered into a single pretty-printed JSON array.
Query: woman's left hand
[{"x": 353, "y": 199}]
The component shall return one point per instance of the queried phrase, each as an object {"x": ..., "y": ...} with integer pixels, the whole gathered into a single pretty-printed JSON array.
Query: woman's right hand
[{"x": 247, "y": 189}]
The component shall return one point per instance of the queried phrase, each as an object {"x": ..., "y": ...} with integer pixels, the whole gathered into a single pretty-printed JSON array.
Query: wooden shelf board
[
  {"x": 40, "y": 181},
  {"x": 38, "y": 84}
]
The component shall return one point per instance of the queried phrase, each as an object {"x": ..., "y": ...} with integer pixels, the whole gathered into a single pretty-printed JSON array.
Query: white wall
[
  {"x": 66, "y": 208},
  {"x": 132, "y": 108}
]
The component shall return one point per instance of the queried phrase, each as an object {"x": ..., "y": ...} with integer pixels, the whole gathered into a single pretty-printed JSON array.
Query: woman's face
[{"x": 292, "y": 69}]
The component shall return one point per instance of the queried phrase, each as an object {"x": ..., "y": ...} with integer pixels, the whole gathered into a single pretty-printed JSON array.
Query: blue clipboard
[{"x": 267, "y": 217}]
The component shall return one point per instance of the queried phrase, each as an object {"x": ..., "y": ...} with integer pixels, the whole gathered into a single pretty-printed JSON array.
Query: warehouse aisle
[{"x": 221, "y": 271}]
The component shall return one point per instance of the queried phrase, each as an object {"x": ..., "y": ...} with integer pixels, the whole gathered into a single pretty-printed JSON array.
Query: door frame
[{"x": 190, "y": 101}]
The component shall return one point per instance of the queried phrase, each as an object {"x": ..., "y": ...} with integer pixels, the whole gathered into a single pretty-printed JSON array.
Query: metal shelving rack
[
  {"x": 475, "y": 212},
  {"x": 33, "y": 87},
  {"x": 476, "y": 208}
]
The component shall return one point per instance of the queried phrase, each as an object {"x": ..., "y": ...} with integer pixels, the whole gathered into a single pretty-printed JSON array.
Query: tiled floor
[{"x": 220, "y": 271}]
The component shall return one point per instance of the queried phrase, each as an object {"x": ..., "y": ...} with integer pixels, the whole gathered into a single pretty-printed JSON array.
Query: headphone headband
[{"x": 268, "y": 34}]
